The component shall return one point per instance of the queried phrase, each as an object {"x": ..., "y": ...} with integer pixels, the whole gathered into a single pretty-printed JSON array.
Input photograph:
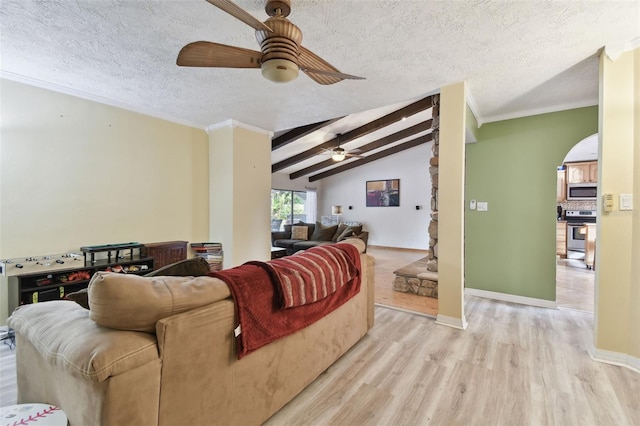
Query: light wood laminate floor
[
  {"x": 575, "y": 284},
  {"x": 513, "y": 365}
]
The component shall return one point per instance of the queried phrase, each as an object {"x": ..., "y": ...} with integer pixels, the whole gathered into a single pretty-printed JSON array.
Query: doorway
[{"x": 575, "y": 276}]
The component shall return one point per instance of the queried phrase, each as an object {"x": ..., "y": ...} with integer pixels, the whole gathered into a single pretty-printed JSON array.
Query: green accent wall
[{"x": 511, "y": 247}]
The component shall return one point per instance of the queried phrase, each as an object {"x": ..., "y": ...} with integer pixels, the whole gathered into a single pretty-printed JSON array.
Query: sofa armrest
[
  {"x": 97, "y": 375},
  {"x": 197, "y": 348}
]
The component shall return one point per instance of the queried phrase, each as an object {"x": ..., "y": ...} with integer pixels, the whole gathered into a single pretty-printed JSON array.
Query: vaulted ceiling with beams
[
  {"x": 518, "y": 57},
  {"x": 307, "y": 150}
]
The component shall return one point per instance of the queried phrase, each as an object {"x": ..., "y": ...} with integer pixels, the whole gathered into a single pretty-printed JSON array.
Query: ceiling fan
[
  {"x": 339, "y": 154},
  {"x": 281, "y": 56}
]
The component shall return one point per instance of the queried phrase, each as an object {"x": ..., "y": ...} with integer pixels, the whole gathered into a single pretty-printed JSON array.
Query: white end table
[{"x": 32, "y": 414}]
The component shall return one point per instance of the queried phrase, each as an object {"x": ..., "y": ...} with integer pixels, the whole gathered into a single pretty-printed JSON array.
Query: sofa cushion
[
  {"x": 339, "y": 231},
  {"x": 194, "y": 267},
  {"x": 131, "y": 302},
  {"x": 299, "y": 232},
  {"x": 303, "y": 245},
  {"x": 323, "y": 233},
  {"x": 288, "y": 244},
  {"x": 350, "y": 231}
]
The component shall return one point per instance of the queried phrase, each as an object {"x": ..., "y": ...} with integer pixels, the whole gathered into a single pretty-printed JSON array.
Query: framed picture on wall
[{"x": 383, "y": 193}]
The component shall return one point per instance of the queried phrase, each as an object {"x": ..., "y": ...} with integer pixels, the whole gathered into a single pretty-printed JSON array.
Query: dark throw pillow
[
  {"x": 81, "y": 297},
  {"x": 323, "y": 233},
  {"x": 194, "y": 267}
]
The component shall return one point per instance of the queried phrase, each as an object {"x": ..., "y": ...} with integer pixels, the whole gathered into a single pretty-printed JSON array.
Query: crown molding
[
  {"x": 234, "y": 123},
  {"x": 614, "y": 50},
  {"x": 94, "y": 98},
  {"x": 473, "y": 106},
  {"x": 538, "y": 111}
]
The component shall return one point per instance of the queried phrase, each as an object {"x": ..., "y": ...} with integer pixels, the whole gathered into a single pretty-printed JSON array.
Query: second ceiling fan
[
  {"x": 282, "y": 54},
  {"x": 339, "y": 154}
]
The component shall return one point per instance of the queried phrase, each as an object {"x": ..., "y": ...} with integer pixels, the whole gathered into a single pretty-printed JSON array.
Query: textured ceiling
[{"x": 518, "y": 57}]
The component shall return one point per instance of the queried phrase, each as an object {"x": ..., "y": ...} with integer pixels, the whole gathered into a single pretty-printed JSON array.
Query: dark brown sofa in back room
[{"x": 301, "y": 235}]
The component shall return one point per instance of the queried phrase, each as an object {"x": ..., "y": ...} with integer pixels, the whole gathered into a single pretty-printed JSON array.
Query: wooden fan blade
[
  {"x": 208, "y": 54},
  {"x": 237, "y": 12},
  {"x": 321, "y": 71},
  {"x": 354, "y": 155}
]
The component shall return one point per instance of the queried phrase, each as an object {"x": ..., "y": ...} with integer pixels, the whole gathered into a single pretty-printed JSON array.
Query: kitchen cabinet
[
  {"x": 586, "y": 172},
  {"x": 561, "y": 238},
  {"x": 593, "y": 172},
  {"x": 561, "y": 188}
]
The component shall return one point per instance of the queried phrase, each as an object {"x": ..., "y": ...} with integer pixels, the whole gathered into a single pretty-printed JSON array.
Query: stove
[
  {"x": 576, "y": 220},
  {"x": 40, "y": 264},
  {"x": 580, "y": 216}
]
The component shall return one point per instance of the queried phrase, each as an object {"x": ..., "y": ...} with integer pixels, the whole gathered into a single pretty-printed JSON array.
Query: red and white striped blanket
[
  {"x": 256, "y": 288},
  {"x": 313, "y": 274}
]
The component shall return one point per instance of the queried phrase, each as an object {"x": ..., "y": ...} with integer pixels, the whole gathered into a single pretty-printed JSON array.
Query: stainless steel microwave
[{"x": 582, "y": 191}]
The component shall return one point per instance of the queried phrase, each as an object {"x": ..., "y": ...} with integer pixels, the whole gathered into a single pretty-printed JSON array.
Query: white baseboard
[
  {"x": 505, "y": 297},
  {"x": 615, "y": 358},
  {"x": 460, "y": 323}
]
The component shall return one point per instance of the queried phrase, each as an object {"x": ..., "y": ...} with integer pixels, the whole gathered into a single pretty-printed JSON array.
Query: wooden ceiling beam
[
  {"x": 365, "y": 129},
  {"x": 389, "y": 139},
  {"x": 378, "y": 155},
  {"x": 295, "y": 134}
]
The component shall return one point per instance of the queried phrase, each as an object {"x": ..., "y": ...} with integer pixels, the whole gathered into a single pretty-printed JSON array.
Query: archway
[{"x": 575, "y": 280}]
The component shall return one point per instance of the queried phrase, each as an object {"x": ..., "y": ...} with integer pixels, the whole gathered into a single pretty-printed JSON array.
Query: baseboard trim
[
  {"x": 459, "y": 323},
  {"x": 615, "y": 358},
  {"x": 541, "y": 303}
]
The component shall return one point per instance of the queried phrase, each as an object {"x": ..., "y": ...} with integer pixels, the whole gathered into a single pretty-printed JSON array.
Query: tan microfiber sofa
[{"x": 185, "y": 371}]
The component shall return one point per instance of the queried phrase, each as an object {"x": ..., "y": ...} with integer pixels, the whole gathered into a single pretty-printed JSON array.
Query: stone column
[{"x": 432, "y": 263}]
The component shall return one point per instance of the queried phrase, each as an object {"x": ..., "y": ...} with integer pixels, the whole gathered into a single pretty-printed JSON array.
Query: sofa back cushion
[
  {"x": 287, "y": 232},
  {"x": 323, "y": 233},
  {"x": 131, "y": 302}
]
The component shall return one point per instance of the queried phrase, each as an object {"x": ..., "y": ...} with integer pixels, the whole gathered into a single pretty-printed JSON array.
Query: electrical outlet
[{"x": 483, "y": 206}]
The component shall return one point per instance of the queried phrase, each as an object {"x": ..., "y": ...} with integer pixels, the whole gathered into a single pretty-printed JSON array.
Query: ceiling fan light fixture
[
  {"x": 338, "y": 155},
  {"x": 279, "y": 70}
]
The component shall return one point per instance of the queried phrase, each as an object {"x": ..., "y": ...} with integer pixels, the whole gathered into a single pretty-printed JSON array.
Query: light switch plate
[
  {"x": 472, "y": 205},
  {"x": 626, "y": 202},
  {"x": 483, "y": 206}
]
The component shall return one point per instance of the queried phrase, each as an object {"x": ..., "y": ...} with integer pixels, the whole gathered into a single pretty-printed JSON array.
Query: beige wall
[
  {"x": 451, "y": 206},
  {"x": 634, "y": 299},
  {"x": 618, "y": 241},
  {"x": 240, "y": 198},
  {"x": 74, "y": 172}
]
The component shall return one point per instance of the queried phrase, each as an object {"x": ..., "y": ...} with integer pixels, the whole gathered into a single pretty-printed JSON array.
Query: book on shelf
[{"x": 211, "y": 252}]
